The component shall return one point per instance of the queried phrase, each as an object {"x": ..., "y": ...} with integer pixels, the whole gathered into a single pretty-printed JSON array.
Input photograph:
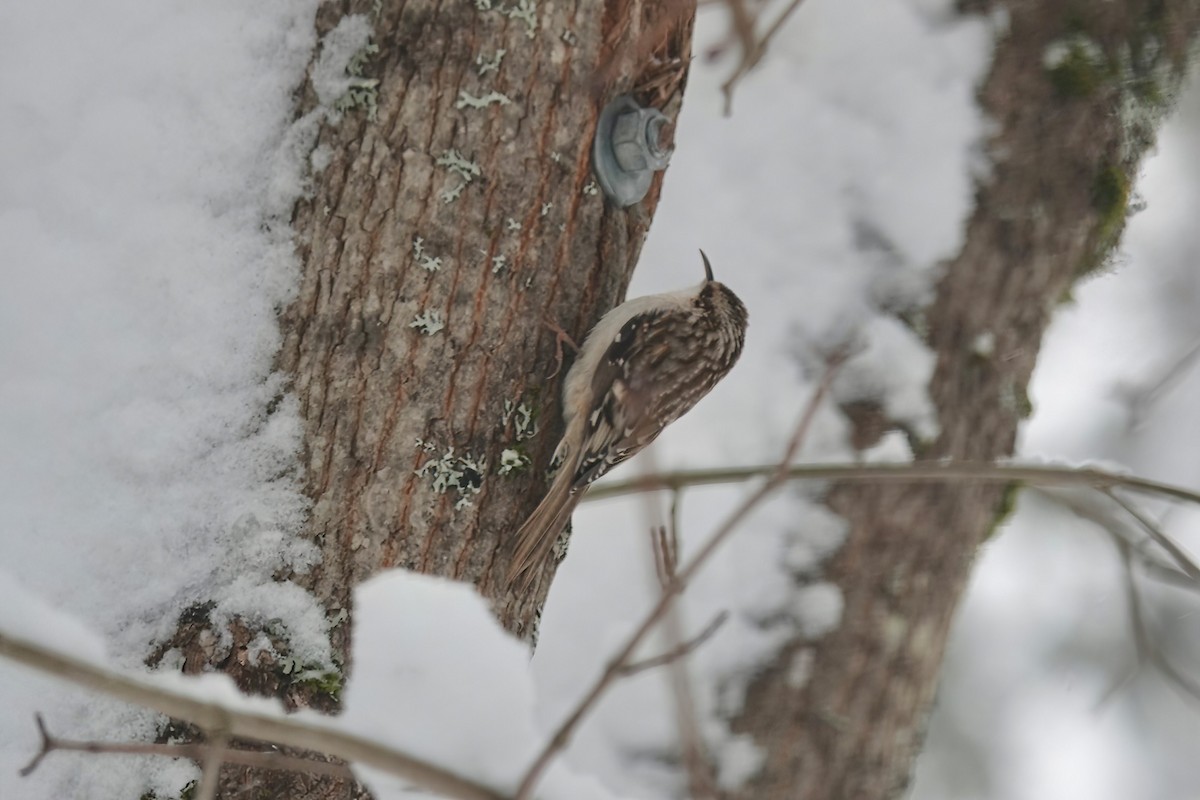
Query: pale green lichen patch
[
  {"x": 521, "y": 10},
  {"x": 1149, "y": 81},
  {"x": 1005, "y": 507},
  {"x": 522, "y": 419},
  {"x": 525, "y": 11},
  {"x": 424, "y": 260},
  {"x": 486, "y": 65},
  {"x": 463, "y": 168},
  {"x": 1142, "y": 77},
  {"x": 450, "y": 472},
  {"x": 512, "y": 461},
  {"x": 313, "y": 680},
  {"x": 362, "y": 92},
  {"x": 1110, "y": 198},
  {"x": 428, "y": 322},
  {"x": 345, "y": 51},
  {"x": 468, "y": 100},
  {"x": 1111, "y": 193},
  {"x": 1077, "y": 65}
]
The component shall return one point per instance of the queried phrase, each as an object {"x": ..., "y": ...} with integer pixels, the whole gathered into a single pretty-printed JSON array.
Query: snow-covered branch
[{"x": 210, "y": 715}]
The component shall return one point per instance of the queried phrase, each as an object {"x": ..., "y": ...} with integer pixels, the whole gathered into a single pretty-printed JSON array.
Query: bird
[{"x": 645, "y": 364}]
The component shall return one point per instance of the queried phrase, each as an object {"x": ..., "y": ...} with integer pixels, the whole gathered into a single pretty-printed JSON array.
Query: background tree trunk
[{"x": 1077, "y": 92}]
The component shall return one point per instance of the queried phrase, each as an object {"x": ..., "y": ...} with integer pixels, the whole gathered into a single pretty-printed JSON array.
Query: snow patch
[{"x": 330, "y": 78}]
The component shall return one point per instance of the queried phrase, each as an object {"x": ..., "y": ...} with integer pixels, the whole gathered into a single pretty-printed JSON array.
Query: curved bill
[{"x": 707, "y": 267}]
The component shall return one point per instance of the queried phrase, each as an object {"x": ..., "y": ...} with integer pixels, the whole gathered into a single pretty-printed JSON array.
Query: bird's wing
[{"x": 631, "y": 407}]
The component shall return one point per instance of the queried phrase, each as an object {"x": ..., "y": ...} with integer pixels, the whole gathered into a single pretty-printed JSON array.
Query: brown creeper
[{"x": 644, "y": 365}]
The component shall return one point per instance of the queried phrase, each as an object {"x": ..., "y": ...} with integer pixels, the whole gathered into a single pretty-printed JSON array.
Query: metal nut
[{"x": 628, "y": 150}]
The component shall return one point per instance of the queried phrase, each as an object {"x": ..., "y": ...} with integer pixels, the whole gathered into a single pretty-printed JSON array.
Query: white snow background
[{"x": 144, "y": 145}]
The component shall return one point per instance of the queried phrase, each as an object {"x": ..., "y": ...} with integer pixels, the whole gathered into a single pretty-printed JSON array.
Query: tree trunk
[
  {"x": 405, "y": 428},
  {"x": 1077, "y": 91},
  {"x": 453, "y": 212}
]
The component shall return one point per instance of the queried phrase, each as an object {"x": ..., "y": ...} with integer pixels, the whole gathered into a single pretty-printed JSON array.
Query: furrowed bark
[{"x": 529, "y": 239}]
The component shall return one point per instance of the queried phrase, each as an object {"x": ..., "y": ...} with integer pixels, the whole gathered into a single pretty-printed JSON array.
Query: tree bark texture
[
  {"x": 405, "y": 430},
  {"x": 453, "y": 213},
  {"x": 843, "y": 717}
]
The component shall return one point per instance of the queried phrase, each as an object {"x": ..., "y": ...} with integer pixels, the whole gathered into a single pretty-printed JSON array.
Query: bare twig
[
  {"x": 46, "y": 748},
  {"x": 676, "y": 509},
  {"x": 752, "y": 46},
  {"x": 1185, "y": 684},
  {"x": 677, "y": 652},
  {"x": 195, "y": 751},
  {"x": 246, "y": 724},
  {"x": 1136, "y": 624},
  {"x": 1099, "y": 508},
  {"x": 666, "y": 555},
  {"x": 210, "y": 777},
  {"x": 1111, "y": 518},
  {"x": 612, "y": 671},
  {"x": 693, "y": 751},
  {"x": 914, "y": 472},
  {"x": 1163, "y": 573},
  {"x": 1141, "y": 400},
  {"x": 1177, "y": 553},
  {"x": 1147, "y": 650}
]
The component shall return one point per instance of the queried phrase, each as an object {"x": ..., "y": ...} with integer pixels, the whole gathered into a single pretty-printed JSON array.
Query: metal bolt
[{"x": 628, "y": 150}]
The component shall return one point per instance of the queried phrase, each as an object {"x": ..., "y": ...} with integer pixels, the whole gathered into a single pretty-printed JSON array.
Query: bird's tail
[{"x": 536, "y": 538}]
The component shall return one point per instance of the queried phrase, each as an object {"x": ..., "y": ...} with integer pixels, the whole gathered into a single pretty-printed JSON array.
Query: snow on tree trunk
[
  {"x": 1077, "y": 92},
  {"x": 452, "y": 211}
]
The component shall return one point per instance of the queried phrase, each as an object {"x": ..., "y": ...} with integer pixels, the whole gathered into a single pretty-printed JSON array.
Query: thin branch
[
  {"x": 1109, "y": 516},
  {"x": 702, "y": 783},
  {"x": 246, "y": 724},
  {"x": 1180, "y": 556},
  {"x": 1164, "y": 573},
  {"x": 44, "y": 750},
  {"x": 753, "y": 48},
  {"x": 210, "y": 778},
  {"x": 666, "y": 555},
  {"x": 1141, "y": 400},
  {"x": 194, "y": 751},
  {"x": 1185, "y": 684},
  {"x": 913, "y": 472},
  {"x": 1147, "y": 651},
  {"x": 677, "y": 652},
  {"x": 611, "y": 672},
  {"x": 1141, "y": 641},
  {"x": 676, "y": 510}
]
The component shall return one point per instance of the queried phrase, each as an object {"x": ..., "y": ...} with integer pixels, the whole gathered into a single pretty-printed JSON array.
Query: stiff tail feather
[{"x": 536, "y": 538}]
